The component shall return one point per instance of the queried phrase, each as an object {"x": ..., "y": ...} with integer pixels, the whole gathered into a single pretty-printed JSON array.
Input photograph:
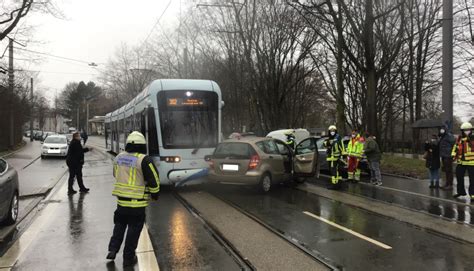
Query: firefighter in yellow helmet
[
  {"x": 290, "y": 139},
  {"x": 463, "y": 154},
  {"x": 334, "y": 150},
  {"x": 137, "y": 181},
  {"x": 355, "y": 149}
]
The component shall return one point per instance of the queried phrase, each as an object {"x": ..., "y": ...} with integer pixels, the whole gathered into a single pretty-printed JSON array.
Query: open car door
[{"x": 305, "y": 162}]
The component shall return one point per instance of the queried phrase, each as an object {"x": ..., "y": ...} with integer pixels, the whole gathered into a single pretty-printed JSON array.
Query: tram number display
[{"x": 185, "y": 102}]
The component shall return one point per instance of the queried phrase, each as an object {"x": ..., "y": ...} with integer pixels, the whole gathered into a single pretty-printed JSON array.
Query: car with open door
[
  {"x": 9, "y": 193},
  {"x": 262, "y": 161}
]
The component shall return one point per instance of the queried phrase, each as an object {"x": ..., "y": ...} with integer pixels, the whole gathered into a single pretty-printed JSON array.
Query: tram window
[
  {"x": 143, "y": 124},
  {"x": 152, "y": 133},
  {"x": 121, "y": 131}
]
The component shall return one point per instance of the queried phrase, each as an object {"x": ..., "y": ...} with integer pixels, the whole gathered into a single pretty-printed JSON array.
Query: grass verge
[{"x": 404, "y": 166}]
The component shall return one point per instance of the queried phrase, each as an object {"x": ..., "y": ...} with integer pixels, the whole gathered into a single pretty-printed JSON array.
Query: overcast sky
[
  {"x": 93, "y": 29},
  {"x": 91, "y": 32}
]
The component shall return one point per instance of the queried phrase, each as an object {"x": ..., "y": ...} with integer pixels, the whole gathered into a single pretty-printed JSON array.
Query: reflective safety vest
[
  {"x": 130, "y": 187},
  {"x": 335, "y": 148},
  {"x": 356, "y": 146},
  {"x": 291, "y": 143},
  {"x": 463, "y": 151}
]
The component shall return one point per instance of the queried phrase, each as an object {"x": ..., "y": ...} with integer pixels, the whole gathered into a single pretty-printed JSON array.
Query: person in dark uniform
[
  {"x": 84, "y": 136},
  {"x": 75, "y": 161},
  {"x": 137, "y": 181}
]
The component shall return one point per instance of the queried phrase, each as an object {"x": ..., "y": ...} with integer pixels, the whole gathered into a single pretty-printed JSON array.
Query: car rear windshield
[
  {"x": 55, "y": 140},
  {"x": 234, "y": 150}
]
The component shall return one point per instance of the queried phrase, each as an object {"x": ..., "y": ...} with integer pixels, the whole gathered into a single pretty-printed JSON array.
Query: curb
[
  {"x": 15, "y": 151},
  {"x": 448, "y": 229}
]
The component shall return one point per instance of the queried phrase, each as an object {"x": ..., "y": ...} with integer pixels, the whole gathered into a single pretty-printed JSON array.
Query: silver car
[
  {"x": 54, "y": 145},
  {"x": 9, "y": 193},
  {"x": 262, "y": 161}
]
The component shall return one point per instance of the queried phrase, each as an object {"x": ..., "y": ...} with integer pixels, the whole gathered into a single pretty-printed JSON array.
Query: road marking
[
  {"x": 145, "y": 253},
  {"x": 407, "y": 192},
  {"x": 368, "y": 239}
]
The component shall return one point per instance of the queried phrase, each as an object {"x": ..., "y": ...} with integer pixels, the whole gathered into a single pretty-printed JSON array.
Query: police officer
[
  {"x": 136, "y": 181},
  {"x": 290, "y": 139},
  {"x": 334, "y": 150},
  {"x": 75, "y": 161},
  {"x": 463, "y": 154},
  {"x": 355, "y": 150}
]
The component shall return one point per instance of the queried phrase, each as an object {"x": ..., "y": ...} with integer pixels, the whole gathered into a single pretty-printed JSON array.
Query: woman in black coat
[
  {"x": 74, "y": 161},
  {"x": 433, "y": 160}
]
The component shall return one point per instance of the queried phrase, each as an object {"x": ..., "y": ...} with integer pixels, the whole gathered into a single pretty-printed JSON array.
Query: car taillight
[{"x": 254, "y": 161}]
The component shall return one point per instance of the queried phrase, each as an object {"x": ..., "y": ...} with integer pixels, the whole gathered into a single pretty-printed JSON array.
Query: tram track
[
  {"x": 243, "y": 262},
  {"x": 298, "y": 245}
]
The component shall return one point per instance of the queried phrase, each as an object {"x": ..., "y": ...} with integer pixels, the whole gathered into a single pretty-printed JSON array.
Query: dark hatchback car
[
  {"x": 9, "y": 193},
  {"x": 363, "y": 165}
]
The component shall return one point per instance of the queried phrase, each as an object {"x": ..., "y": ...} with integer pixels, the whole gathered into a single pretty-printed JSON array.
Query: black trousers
[
  {"x": 134, "y": 223},
  {"x": 75, "y": 171},
  {"x": 460, "y": 172}
]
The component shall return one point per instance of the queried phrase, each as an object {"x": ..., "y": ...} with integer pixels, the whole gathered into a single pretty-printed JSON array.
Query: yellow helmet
[
  {"x": 332, "y": 128},
  {"x": 466, "y": 126},
  {"x": 136, "y": 138}
]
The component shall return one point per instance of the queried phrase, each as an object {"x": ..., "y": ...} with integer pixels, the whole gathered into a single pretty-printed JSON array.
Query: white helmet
[
  {"x": 466, "y": 126},
  {"x": 332, "y": 128},
  {"x": 136, "y": 138}
]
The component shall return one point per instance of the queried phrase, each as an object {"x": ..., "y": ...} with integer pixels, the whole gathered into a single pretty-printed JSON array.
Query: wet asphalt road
[
  {"x": 412, "y": 248},
  {"x": 439, "y": 202},
  {"x": 180, "y": 239}
]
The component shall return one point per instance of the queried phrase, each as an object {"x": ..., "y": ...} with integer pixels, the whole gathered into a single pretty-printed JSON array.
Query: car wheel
[
  {"x": 265, "y": 183},
  {"x": 13, "y": 210},
  {"x": 300, "y": 180},
  {"x": 42, "y": 156}
]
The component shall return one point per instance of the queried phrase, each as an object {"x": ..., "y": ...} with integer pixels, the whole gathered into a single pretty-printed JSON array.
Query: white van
[{"x": 300, "y": 134}]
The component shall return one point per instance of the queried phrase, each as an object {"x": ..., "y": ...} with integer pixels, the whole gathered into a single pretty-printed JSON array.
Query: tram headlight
[{"x": 171, "y": 159}]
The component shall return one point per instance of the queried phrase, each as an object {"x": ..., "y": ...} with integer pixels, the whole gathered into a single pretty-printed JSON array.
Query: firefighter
[
  {"x": 354, "y": 151},
  {"x": 136, "y": 181},
  {"x": 463, "y": 154},
  {"x": 334, "y": 150},
  {"x": 290, "y": 139}
]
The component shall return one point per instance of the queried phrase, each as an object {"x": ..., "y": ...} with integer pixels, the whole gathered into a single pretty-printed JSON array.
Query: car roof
[
  {"x": 246, "y": 139},
  {"x": 56, "y": 135}
]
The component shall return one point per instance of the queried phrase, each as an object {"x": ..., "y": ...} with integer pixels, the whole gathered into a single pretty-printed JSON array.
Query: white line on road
[
  {"x": 368, "y": 239},
  {"x": 145, "y": 253}
]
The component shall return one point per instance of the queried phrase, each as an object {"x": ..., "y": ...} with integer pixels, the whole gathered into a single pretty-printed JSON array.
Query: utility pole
[
  {"x": 11, "y": 82},
  {"x": 447, "y": 96},
  {"x": 31, "y": 111},
  {"x": 87, "y": 118}
]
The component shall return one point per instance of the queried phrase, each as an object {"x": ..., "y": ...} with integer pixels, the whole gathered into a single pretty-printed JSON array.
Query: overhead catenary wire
[
  {"x": 56, "y": 56},
  {"x": 156, "y": 23}
]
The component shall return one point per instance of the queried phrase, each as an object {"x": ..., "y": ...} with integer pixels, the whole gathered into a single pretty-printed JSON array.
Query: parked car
[
  {"x": 363, "y": 164},
  {"x": 46, "y": 134},
  {"x": 262, "y": 161},
  {"x": 38, "y": 135},
  {"x": 9, "y": 193},
  {"x": 54, "y": 145}
]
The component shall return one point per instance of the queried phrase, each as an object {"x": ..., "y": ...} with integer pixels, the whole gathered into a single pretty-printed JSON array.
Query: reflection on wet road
[
  {"x": 181, "y": 241},
  {"x": 283, "y": 210},
  {"x": 449, "y": 209}
]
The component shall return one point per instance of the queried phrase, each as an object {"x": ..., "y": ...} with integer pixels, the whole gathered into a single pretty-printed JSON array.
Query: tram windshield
[{"x": 188, "y": 119}]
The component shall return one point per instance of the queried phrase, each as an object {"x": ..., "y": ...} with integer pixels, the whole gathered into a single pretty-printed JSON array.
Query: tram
[{"x": 181, "y": 120}]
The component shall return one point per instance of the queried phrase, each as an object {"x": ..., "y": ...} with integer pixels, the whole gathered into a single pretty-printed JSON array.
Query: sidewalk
[{"x": 72, "y": 233}]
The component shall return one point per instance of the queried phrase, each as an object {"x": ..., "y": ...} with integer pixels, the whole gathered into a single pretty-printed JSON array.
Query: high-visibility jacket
[
  {"x": 355, "y": 147},
  {"x": 463, "y": 151},
  {"x": 291, "y": 143},
  {"x": 335, "y": 148},
  {"x": 130, "y": 187}
]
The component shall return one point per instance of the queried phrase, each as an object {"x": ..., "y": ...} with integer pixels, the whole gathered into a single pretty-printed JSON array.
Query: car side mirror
[{"x": 208, "y": 158}]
